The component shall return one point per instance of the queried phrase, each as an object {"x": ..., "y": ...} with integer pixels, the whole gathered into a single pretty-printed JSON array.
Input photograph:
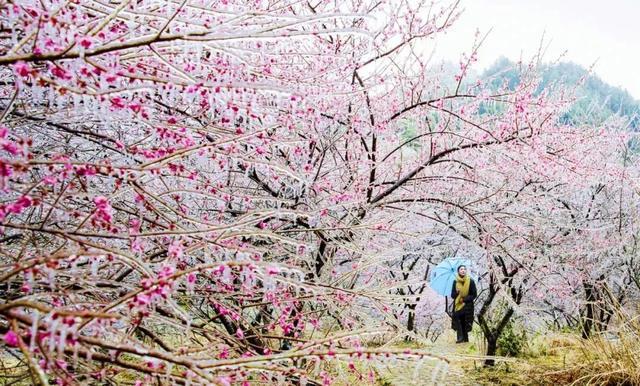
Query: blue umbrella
[{"x": 444, "y": 274}]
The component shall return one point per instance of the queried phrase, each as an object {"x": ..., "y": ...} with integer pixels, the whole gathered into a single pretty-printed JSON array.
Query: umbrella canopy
[{"x": 444, "y": 274}]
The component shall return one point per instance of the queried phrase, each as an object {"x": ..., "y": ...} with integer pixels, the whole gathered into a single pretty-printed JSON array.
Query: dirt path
[{"x": 432, "y": 372}]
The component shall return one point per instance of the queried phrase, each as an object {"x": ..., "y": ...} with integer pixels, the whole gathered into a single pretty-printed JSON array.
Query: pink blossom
[
  {"x": 117, "y": 103},
  {"x": 224, "y": 381},
  {"x": 61, "y": 363},
  {"x": 219, "y": 270},
  {"x": 224, "y": 353},
  {"x": 175, "y": 249},
  {"x": 134, "y": 226},
  {"x": 103, "y": 209},
  {"x": 21, "y": 204},
  {"x": 101, "y": 202},
  {"x": 23, "y": 69},
  {"x": 85, "y": 42},
  {"x": 135, "y": 107},
  {"x": 10, "y": 147},
  {"x": 60, "y": 73},
  {"x": 87, "y": 170},
  {"x": 49, "y": 180},
  {"x": 166, "y": 271},
  {"x": 5, "y": 169},
  {"x": 142, "y": 300},
  {"x": 11, "y": 338}
]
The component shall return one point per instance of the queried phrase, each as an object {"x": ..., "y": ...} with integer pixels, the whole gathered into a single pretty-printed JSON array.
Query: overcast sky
[{"x": 604, "y": 33}]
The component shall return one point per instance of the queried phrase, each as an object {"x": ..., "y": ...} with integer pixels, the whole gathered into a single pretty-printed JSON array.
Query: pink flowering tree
[
  {"x": 505, "y": 206},
  {"x": 559, "y": 215},
  {"x": 598, "y": 216},
  {"x": 178, "y": 185},
  {"x": 204, "y": 191}
]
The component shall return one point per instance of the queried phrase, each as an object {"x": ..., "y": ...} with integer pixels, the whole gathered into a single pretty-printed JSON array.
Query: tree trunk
[
  {"x": 492, "y": 348},
  {"x": 587, "y": 319},
  {"x": 411, "y": 322}
]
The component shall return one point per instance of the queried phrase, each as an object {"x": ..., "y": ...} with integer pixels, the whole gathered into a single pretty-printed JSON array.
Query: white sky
[{"x": 604, "y": 33}]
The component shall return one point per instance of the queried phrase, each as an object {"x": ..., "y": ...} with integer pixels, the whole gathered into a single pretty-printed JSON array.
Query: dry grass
[
  {"x": 609, "y": 358},
  {"x": 543, "y": 355},
  {"x": 605, "y": 360},
  {"x": 551, "y": 359}
]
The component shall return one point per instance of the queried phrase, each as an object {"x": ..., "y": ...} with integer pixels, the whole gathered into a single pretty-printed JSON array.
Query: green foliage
[
  {"x": 409, "y": 131},
  {"x": 569, "y": 330},
  {"x": 512, "y": 341},
  {"x": 382, "y": 381}
]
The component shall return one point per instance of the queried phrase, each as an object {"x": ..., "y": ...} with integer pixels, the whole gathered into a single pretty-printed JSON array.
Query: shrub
[{"x": 513, "y": 341}]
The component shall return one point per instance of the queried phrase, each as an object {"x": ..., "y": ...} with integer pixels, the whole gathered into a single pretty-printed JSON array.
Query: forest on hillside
[{"x": 596, "y": 101}]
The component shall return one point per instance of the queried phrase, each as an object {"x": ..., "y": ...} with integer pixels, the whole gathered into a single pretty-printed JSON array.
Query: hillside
[{"x": 596, "y": 101}]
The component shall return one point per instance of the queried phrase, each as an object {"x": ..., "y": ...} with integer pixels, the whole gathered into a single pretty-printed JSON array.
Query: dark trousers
[{"x": 461, "y": 330}]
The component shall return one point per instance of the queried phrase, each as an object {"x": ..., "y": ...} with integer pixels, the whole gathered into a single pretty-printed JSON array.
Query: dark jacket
[{"x": 464, "y": 317}]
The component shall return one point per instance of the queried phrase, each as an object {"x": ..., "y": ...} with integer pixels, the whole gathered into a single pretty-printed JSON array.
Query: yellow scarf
[{"x": 462, "y": 286}]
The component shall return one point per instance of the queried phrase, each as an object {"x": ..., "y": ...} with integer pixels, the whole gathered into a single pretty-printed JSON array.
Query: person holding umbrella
[{"x": 463, "y": 293}]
